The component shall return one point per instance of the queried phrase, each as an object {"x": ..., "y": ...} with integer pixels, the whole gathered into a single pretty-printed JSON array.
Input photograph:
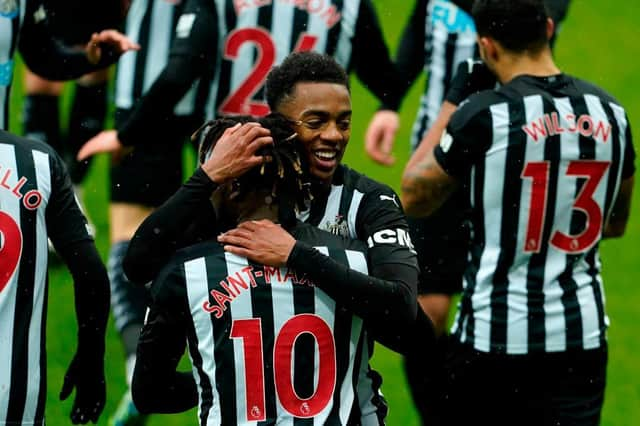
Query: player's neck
[
  {"x": 265, "y": 211},
  {"x": 538, "y": 65}
]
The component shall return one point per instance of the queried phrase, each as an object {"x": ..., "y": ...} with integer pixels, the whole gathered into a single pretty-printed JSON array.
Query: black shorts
[
  {"x": 442, "y": 244},
  {"x": 73, "y": 21},
  {"x": 559, "y": 389},
  {"x": 151, "y": 173}
]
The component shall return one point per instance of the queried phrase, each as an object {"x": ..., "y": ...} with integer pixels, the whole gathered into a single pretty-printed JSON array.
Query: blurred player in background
[
  {"x": 74, "y": 23},
  {"x": 36, "y": 202},
  {"x": 439, "y": 37},
  {"x": 550, "y": 164}
]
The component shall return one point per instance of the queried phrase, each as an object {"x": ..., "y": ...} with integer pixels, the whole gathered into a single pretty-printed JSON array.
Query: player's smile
[{"x": 321, "y": 114}]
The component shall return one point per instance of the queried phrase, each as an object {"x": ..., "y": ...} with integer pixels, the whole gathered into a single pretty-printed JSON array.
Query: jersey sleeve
[
  {"x": 66, "y": 223},
  {"x": 467, "y": 138},
  {"x": 371, "y": 59},
  {"x": 628, "y": 164},
  {"x": 196, "y": 30}
]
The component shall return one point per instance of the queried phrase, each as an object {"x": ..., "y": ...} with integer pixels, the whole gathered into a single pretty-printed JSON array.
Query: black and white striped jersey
[
  {"x": 150, "y": 23},
  {"x": 545, "y": 158},
  {"x": 266, "y": 344},
  {"x": 36, "y": 202}
]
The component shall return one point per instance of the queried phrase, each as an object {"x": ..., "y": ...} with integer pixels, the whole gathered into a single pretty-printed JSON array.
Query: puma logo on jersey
[
  {"x": 392, "y": 199},
  {"x": 185, "y": 23}
]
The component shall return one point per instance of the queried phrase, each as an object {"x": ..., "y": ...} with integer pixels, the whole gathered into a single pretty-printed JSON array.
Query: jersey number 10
[
  {"x": 250, "y": 331},
  {"x": 241, "y": 101},
  {"x": 538, "y": 172}
]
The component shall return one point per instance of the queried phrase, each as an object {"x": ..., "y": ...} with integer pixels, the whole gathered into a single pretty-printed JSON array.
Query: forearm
[
  {"x": 371, "y": 298},
  {"x": 163, "y": 232},
  {"x": 91, "y": 290},
  {"x": 155, "y": 108},
  {"x": 617, "y": 222},
  {"x": 433, "y": 136},
  {"x": 410, "y": 58}
]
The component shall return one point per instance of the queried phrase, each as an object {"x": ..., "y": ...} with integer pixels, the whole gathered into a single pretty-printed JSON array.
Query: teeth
[{"x": 326, "y": 155}]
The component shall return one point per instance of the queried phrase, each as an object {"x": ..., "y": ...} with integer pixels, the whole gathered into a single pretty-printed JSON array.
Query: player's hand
[
  {"x": 86, "y": 375},
  {"x": 381, "y": 135},
  {"x": 235, "y": 152},
  {"x": 105, "y": 141},
  {"x": 261, "y": 241},
  {"x": 470, "y": 77},
  {"x": 118, "y": 42}
]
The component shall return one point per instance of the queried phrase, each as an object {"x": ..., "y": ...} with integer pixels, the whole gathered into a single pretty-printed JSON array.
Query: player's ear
[
  {"x": 551, "y": 27},
  {"x": 487, "y": 47}
]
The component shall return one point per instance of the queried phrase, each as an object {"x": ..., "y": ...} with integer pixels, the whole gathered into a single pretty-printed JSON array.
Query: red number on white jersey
[
  {"x": 10, "y": 248},
  {"x": 241, "y": 101},
  {"x": 593, "y": 171},
  {"x": 249, "y": 330}
]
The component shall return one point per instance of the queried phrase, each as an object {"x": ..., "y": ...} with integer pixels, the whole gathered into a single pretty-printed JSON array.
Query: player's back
[
  {"x": 256, "y": 35},
  {"x": 268, "y": 345},
  {"x": 554, "y": 153},
  {"x": 25, "y": 189}
]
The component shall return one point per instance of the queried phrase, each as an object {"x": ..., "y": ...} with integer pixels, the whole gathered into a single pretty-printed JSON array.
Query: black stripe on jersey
[
  {"x": 509, "y": 227},
  {"x": 42, "y": 396},
  {"x": 317, "y": 209},
  {"x": 537, "y": 263},
  {"x": 333, "y": 36},
  {"x": 356, "y": 414},
  {"x": 304, "y": 349},
  {"x": 205, "y": 384},
  {"x": 477, "y": 248},
  {"x": 141, "y": 56},
  {"x": 265, "y": 20},
  {"x": 216, "y": 266},
  {"x": 616, "y": 159},
  {"x": 24, "y": 294},
  {"x": 262, "y": 307},
  {"x": 342, "y": 339},
  {"x": 450, "y": 65}
]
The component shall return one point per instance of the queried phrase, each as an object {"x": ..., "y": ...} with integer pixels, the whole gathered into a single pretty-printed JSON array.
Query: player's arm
[
  {"x": 188, "y": 215},
  {"x": 157, "y": 387},
  {"x": 617, "y": 221},
  {"x": 382, "y": 129},
  {"x": 48, "y": 57},
  {"x": 66, "y": 227},
  {"x": 193, "y": 55}
]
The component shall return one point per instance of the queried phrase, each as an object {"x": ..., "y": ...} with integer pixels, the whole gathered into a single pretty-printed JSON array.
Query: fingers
[{"x": 67, "y": 388}]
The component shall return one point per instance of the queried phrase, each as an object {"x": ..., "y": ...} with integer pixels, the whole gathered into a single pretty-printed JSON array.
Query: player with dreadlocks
[{"x": 242, "y": 319}]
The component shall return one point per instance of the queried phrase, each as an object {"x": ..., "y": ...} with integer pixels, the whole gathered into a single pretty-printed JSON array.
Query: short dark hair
[
  {"x": 285, "y": 175},
  {"x": 518, "y": 25},
  {"x": 302, "y": 67}
]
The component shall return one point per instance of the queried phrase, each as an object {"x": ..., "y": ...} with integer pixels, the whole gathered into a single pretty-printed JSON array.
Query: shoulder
[
  {"x": 587, "y": 88},
  {"x": 356, "y": 181},
  {"x": 473, "y": 109},
  {"x": 28, "y": 148}
]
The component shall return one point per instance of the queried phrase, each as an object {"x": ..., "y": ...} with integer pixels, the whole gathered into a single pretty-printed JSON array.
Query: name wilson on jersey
[
  {"x": 323, "y": 8},
  {"x": 586, "y": 125},
  {"x": 234, "y": 285}
]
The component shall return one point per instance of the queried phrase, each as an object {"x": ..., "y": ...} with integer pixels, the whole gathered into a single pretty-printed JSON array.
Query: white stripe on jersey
[
  {"x": 244, "y": 60},
  {"x": 11, "y": 206},
  {"x": 43, "y": 177},
  {"x": 197, "y": 291},
  {"x": 332, "y": 210},
  {"x": 348, "y": 29},
  {"x": 281, "y": 34},
  {"x": 366, "y": 392},
  {"x": 325, "y": 308},
  {"x": 127, "y": 63},
  {"x": 241, "y": 308},
  {"x": 352, "y": 216},
  {"x": 621, "y": 120}
]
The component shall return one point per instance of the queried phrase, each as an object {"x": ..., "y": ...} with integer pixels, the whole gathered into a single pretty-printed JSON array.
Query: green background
[{"x": 598, "y": 42}]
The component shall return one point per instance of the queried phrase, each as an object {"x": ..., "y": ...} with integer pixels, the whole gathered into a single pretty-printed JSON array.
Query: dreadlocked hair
[{"x": 283, "y": 173}]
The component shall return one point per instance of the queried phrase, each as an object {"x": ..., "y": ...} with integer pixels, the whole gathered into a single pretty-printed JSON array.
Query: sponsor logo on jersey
[
  {"x": 445, "y": 141},
  {"x": 454, "y": 19},
  {"x": 397, "y": 236},
  {"x": 9, "y": 8},
  {"x": 339, "y": 227}
]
